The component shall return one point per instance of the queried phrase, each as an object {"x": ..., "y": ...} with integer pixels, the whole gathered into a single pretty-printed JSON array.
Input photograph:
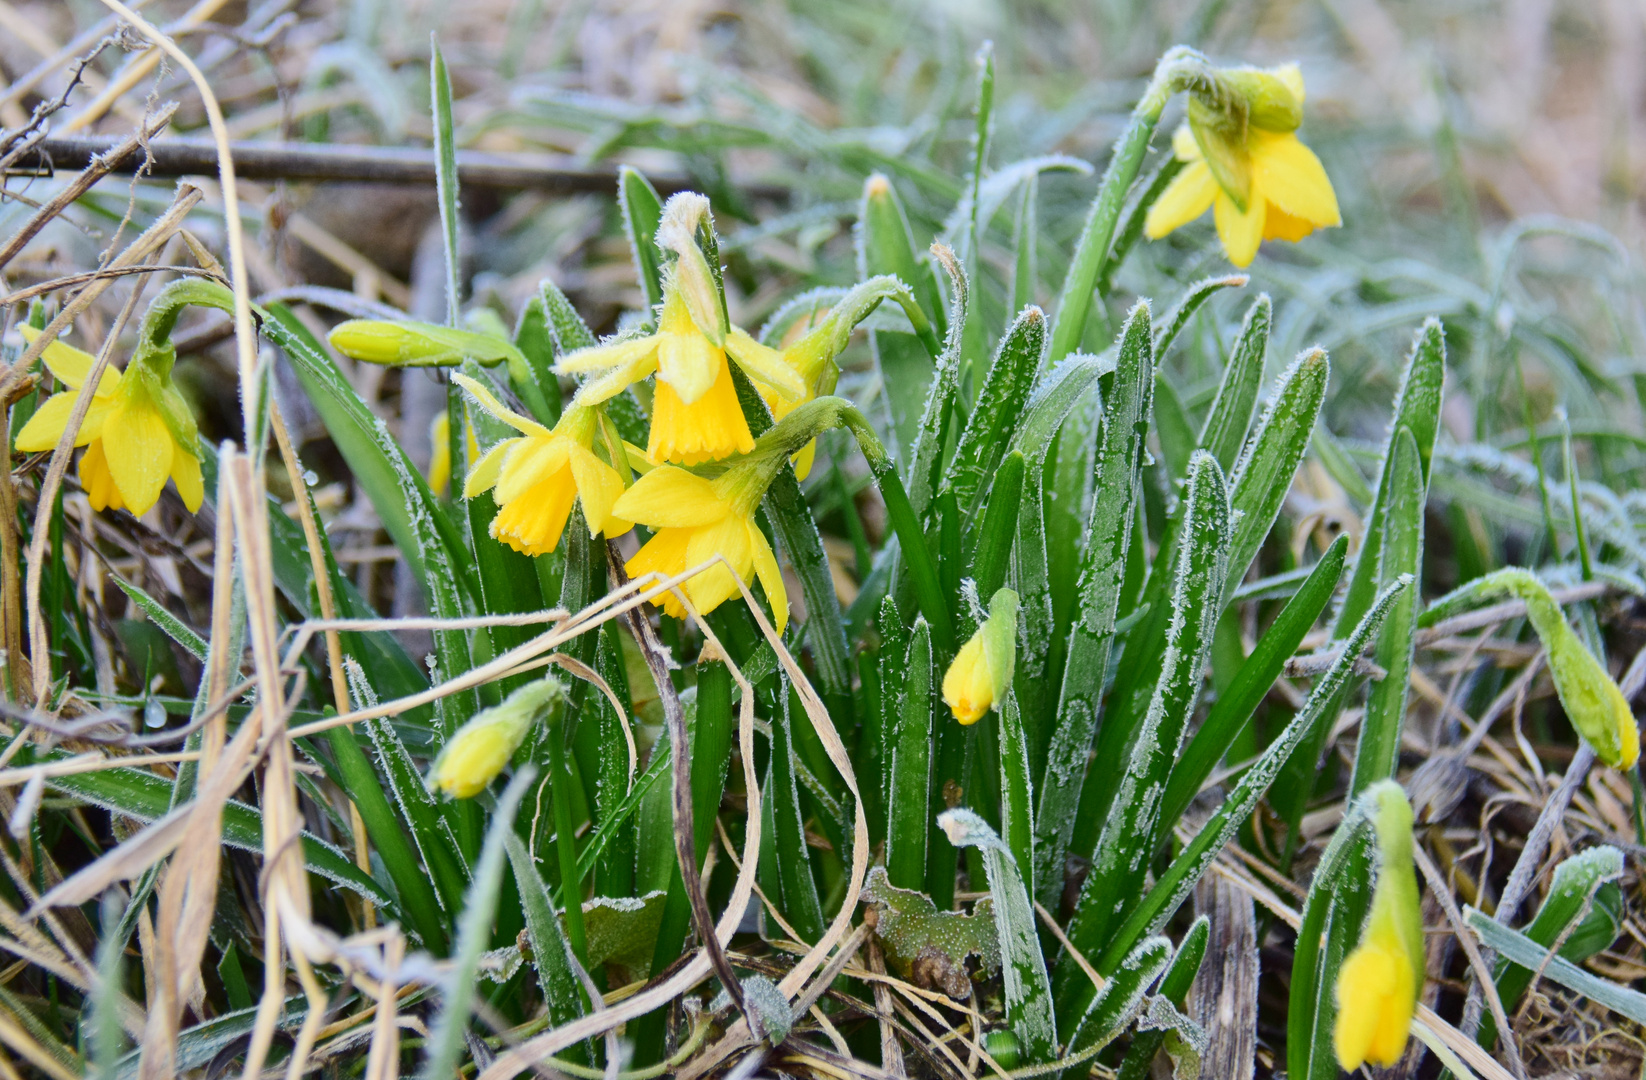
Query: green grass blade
[
  {"x": 1025, "y": 242},
  {"x": 433, "y": 825},
  {"x": 1235, "y": 705},
  {"x": 1174, "y": 988},
  {"x": 998, "y": 409},
  {"x": 1113, "y": 1007},
  {"x": 1172, "y": 428},
  {"x": 563, "y": 992},
  {"x": 910, "y": 763},
  {"x": 925, "y": 458},
  {"x": 566, "y": 327},
  {"x": 1524, "y": 951},
  {"x": 1031, "y": 681},
  {"x": 1145, "y": 757},
  {"x": 474, "y": 936},
  {"x": 1193, "y": 300},
  {"x": 1016, "y": 790},
  {"x": 1026, "y": 988},
  {"x": 1109, "y": 527},
  {"x": 792, "y": 865},
  {"x": 445, "y": 159},
  {"x": 998, "y": 526},
  {"x": 641, "y": 210},
  {"x": 164, "y": 619},
  {"x": 1378, "y": 750},
  {"x": 534, "y": 383},
  {"x": 1230, "y": 417},
  {"x": 886, "y": 246}
]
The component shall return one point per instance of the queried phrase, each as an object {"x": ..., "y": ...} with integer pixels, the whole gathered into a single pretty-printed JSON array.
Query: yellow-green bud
[
  {"x": 683, "y": 215},
  {"x": 1223, "y": 112},
  {"x": 981, "y": 673},
  {"x": 1378, "y": 984},
  {"x": 416, "y": 344},
  {"x": 472, "y": 758}
]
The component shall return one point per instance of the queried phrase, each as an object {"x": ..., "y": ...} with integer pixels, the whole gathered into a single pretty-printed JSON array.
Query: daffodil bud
[
  {"x": 472, "y": 758},
  {"x": 1593, "y": 702},
  {"x": 982, "y": 669},
  {"x": 416, "y": 344},
  {"x": 1378, "y": 984},
  {"x": 683, "y": 215}
]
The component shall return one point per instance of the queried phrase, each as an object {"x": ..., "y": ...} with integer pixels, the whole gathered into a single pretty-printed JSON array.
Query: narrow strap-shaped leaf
[
  {"x": 910, "y": 768},
  {"x": 1172, "y": 429},
  {"x": 998, "y": 409},
  {"x": 642, "y": 210},
  {"x": 1112, "y": 1008},
  {"x": 445, "y": 162},
  {"x": 536, "y": 385},
  {"x": 1109, "y": 526},
  {"x": 566, "y": 327},
  {"x": 432, "y": 824},
  {"x": 1528, "y": 953},
  {"x": 1026, "y": 988},
  {"x": 926, "y": 456},
  {"x": 886, "y": 246},
  {"x": 997, "y": 529},
  {"x": 1224, "y": 432},
  {"x": 1068, "y": 484},
  {"x": 1264, "y": 472},
  {"x": 1131, "y": 229},
  {"x": 614, "y": 872},
  {"x": 792, "y": 865},
  {"x": 1146, "y": 756},
  {"x": 1193, "y": 300},
  {"x": 1030, "y": 682},
  {"x": 1025, "y": 242},
  {"x": 174, "y": 627},
  {"x": 1417, "y": 408},
  {"x": 562, "y": 990},
  {"x": 1174, "y": 987},
  {"x": 1378, "y": 750},
  {"x": 1173, "y": 886},
  {"x": 474, "y": 932},
  {"x": 1333, "y": 913},
  {"x": 1016, "y": 790},
  {"x": 1055, "y": 395},
  {"x": 1234, "y": 706}
]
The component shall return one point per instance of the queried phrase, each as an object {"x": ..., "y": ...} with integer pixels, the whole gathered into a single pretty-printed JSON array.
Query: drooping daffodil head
[
  {"x": 481, "y": 748},
  {"x": 696, "y": 415},
  {"x": 1243, "y": 161},
  {"x": 981, "y": 673},
  {"x": 537, "y": 476},
  {"x": 138, "y": 431},
  {"x": 1378, "y": 984}
]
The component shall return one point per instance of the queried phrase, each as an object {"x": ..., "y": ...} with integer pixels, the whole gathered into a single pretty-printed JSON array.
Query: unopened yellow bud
[
  {"x": 1377, "y": 985},
  {"x": 415, "y": 344},
  {"x": 981, "y": 673},
  {"x": 472, "y": 758}
]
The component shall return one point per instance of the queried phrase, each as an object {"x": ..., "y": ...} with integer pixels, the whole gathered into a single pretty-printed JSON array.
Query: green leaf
[
  {"x": 164, "y": 619},
  {"x": 1031, "y": 681},
  {"x": 1017, "y": 792},
  {"x": 998, "y": 526},
  {"x": 199, "y": 1045},
  {"x": 1528, "y": 953},
  {"x": 1193, "y": 300},
  {"x": 998, "y": 409},
  {"x": 1113, "y": 1007},
  {"x": 1231, "y": 414},
  {"x": 886, "y": 246},
  {"x": 474, "y": 934},
  {"x": 1026, "y": 987},
  {"x": 534, "y": 381},
  {"x": 1174, "y": 988},
  {"x": 1124, "y": 848},
  {"x": 925, "y": 458},
  {"x": 1234, "y": 706},
  {"x": 1102, "y": 569},
  {"x": 563, "y": 992},
  {"x": 913, "y": 929},
  {"x": 623, "y": 930},
  {"x": 642, "y": 211},
  {"x": 566, "y": 327},
  {"x": 912, "y": 683},
  {"x": 785, "y": 861},
  {"x": 1055, "y": 396},
  {"x": 1377, "y": 752},
  {"x": 1333, "y": 913},
  {"x": 445, "y": 158},
  {"x": 1172, "y": 428}
]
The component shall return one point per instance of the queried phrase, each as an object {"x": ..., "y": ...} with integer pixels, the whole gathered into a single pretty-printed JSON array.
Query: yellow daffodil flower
[
  {"x": 472, "y": 758},
  {"x": 981, "y": 673},
  {"x": 695, "y": 519},
  {"x": 138, "y": 431},
  {"x": 1378, "y": 984},
  {"x": 1247, "y": 165},
  {"x": 695, "y": 412},
  {"x": 440, "y": 452},
  {"x": 536, "y": 476}
]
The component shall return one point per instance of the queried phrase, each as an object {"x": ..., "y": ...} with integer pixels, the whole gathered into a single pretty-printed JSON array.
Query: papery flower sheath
[
  {"x": 1377, "y": 985},
  {"x": 536, "y": 477},
  {"x": 1248, "y": 166},
  {"x": 695, "y": 412},
  {"x": 695, "y": 519},
  {"x": 138, "y": 432}
]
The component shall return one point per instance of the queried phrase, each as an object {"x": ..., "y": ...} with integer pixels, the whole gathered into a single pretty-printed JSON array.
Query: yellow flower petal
[
  {"x": 1183, "y": 144},
  {"x": 483, "y": 473},
  {"x": 1189, "y": 195},
  {"x": 488, "y": 401},
  {"x": 47, "y": 424},
  {"x": 598, "y": 486},
  {"x": 96, "y": 479},
  {"x": 728, "y": 537},
  {"x": 185, "y": 473},
  {"x": 1288, "y": 174},
  {"x": 532, "y": 462},
  {"x": 533, "y": 523},
  {"x": 765, "y": 565},
  {"x": 803, "y": 460},
  {"x": 688, "y": 363},
  {"x": 602, "y": 357},
  {"x": 765, "y": 365},
  {"x": 139, "y": 449},
  {"x": 635, "y": 364},
  {"x": 665, "y": 554},
  {"x": 668, "y": 497},
  {"x": 1374, "y": 992},
  {"x": 1279, "y": 225},
  {"x": 710, "y": 428},
  {"x": 968, "y": 686},
  {"x": 72, "y": 366},
  {"x": 1240, "y": 233}
]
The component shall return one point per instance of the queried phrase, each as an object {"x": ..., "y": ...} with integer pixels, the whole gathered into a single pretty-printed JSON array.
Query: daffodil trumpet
[
  {"x": 1591, "y": 698},
  {"x": 981, "y": 673},
  {"x": 538, "y": 475},
  {"x": 1378, "y": 984},
  {"x": 481, "y": 748},
  {"x": 1244, "y": 161},
  {"x": 138, "y": 430}
]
